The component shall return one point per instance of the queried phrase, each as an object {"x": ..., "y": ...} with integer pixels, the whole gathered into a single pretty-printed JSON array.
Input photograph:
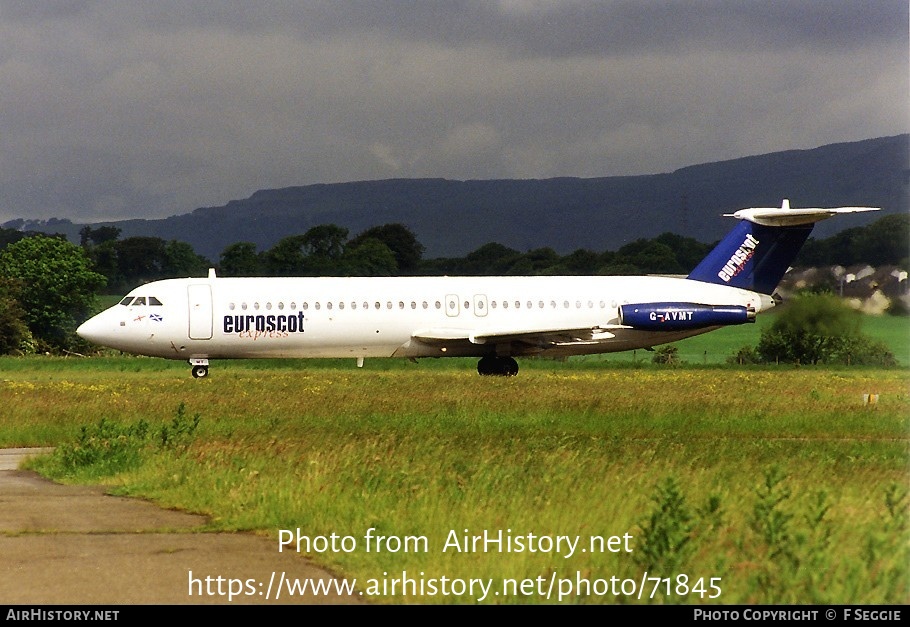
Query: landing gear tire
[
  {"x": 497, "y": 366},
  {"x": 200, "y": 372}
]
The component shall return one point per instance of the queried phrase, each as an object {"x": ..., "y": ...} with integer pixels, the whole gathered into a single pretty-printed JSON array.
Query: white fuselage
[{"x": 219, "y": 318}]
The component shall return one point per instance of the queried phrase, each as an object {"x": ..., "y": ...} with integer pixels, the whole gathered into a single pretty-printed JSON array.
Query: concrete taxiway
[{"x": 77, "y": 545}]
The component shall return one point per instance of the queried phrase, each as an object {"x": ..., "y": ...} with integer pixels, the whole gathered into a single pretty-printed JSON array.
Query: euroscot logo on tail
[{"x": 738, "y": 260}]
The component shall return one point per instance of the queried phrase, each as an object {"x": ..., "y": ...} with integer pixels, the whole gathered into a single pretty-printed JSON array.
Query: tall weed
[{"x": 108, "y": 447}]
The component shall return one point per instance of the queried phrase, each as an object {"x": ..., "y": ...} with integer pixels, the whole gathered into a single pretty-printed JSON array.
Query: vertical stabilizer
[{"x": 759, "y": 250}]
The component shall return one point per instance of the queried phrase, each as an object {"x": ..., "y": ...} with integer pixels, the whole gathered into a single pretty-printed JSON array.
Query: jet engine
[{"x": 682, "y": 316}]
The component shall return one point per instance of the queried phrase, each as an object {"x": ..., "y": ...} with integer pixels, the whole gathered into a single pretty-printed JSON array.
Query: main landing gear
[
  {"x": 200, "y": 368},
  {"x": 497, "y": 366}
]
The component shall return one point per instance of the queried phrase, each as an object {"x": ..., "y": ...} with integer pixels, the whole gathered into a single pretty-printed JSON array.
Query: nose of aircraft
[{"x": 92, "y": 330}]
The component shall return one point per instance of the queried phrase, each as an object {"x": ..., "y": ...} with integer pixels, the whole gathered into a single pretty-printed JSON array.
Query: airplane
[{"x": 494, "y": 318}]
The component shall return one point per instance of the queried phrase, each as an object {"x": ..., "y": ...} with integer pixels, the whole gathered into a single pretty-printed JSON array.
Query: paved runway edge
[{"x": 77, "y": 545}]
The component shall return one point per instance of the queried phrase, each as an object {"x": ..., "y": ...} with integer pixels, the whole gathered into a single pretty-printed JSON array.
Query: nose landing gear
[{"x": 200, "y": 368}]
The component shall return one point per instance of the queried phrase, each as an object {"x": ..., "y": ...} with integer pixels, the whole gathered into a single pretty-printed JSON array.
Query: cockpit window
[{"x": 140, "y": 300}]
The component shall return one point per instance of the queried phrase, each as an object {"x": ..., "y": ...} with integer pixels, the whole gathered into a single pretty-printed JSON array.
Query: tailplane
[{"x": 756, "y": 254}]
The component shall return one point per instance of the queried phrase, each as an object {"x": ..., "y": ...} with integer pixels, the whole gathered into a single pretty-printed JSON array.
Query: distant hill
[{"x": 452, "y": 218}]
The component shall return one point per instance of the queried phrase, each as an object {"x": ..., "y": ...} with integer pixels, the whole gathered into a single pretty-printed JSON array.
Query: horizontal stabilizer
[{"x": 785, "y": 216}]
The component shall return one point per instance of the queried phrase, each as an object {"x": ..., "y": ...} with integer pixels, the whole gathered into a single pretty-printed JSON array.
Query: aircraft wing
[{"x": 541, "y": 338}]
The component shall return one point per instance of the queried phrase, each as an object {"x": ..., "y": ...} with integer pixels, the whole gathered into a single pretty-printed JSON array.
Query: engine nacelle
[{"x": 681, "y": 316}]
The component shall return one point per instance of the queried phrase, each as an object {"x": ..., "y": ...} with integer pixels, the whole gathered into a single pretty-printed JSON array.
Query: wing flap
[{"x": 536, "y": 337}]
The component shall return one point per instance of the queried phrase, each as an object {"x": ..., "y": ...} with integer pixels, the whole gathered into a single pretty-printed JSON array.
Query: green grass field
[
  {"x": 727, "y": 484},
  {"x": 715, "y": 347}
]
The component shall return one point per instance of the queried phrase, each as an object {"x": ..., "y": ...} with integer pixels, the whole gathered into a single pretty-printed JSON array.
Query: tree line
[
  {"x": 48, "y": 285},
  {"x": 394, "y": 250},
  {"x": 387, "y": 250}
]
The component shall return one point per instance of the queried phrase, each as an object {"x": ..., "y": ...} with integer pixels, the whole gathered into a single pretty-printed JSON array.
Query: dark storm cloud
[
  {"x": 568, "y": 28},
  {"x": 113, "y": 109},
  {"x": 558, "y": 27}
]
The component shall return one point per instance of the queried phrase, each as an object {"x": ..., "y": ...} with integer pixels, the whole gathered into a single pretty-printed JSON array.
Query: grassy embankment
[{"x": 779, "y": 481}]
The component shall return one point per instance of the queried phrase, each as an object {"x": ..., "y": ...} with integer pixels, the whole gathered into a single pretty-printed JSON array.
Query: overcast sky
[{"x": 112, "y": 110}]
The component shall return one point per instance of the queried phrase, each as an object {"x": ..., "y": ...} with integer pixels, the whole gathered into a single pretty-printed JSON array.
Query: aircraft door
[
  {"x": 200, "y": 303},
  {"x": 452, "y": 306},
  {"x": 480, "y": 304}
]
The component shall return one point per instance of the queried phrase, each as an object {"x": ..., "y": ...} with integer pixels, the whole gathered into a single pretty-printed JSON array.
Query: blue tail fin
[
  {"x": 756, "y": 254},
  {"x": 752, "y": 256}
]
